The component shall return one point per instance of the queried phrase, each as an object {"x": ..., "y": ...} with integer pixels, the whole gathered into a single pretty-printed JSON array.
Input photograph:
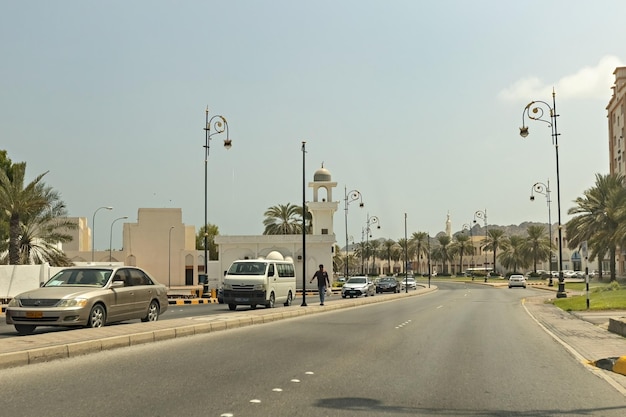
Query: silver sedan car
[
  {"x": 89, "y": 296},
  {"x": 357, "y": 286}
]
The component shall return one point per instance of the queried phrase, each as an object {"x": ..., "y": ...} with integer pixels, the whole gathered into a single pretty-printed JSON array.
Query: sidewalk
[{"x": 583, "y": 334}]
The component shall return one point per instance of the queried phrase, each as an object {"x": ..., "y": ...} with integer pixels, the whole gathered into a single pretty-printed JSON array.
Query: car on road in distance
[
  {"x": 517, "y": 280},
  {"x": 89, "y": 296},
  {"x": 387, "y": 284},
  {"x": 357, "y": 286},
  {"x": 410, "y": 282}
]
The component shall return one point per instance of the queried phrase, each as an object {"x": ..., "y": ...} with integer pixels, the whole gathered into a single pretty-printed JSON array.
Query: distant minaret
[{"x": 449, "y": 226}]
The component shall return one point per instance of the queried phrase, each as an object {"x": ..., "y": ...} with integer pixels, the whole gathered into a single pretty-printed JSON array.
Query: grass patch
[{"x": 601, "y": 297}]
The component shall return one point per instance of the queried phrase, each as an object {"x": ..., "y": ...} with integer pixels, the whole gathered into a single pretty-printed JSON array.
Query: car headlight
[
  {"x": 259, "y": 287},
  {"x": 227, "y": 286},
  {"x": 72, "y": 302},
  {"x": 14, "y": 302}
]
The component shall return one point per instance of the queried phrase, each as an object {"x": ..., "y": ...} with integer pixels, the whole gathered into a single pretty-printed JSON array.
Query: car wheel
[
  {"x": 25, "y": 329},
  {"x": 289, "y": 300},
  {"x": 271, "y": 301},
  {"x": 253, "y": 306},
  {"x": 343, "y": 296},
  {"x": 97, "y": 316},
  {"x": 153, "y": 312},
  {"x": 232, "y": 307}
]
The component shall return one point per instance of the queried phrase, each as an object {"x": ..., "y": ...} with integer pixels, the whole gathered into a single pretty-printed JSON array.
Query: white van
[{"x": 260, "y": 281}]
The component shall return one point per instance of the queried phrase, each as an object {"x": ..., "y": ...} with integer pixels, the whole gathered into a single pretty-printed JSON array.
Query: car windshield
[
  {"x": 247, "y": 268},
  {"x": 80, "y": 277},
  {"x": 388, "y": 280},
  {"x": 357, "y": 280}
]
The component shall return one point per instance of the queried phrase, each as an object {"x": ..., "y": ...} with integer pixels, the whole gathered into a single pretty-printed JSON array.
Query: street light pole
[
  {"x": 482, "y": 214},
  {"x": 111, "y": 237},
  {"x": 220, "y": 125},
  {"x": 349, "y": 198},
  {"x": 93, "y": 231},
  {"x": 544, "y": 189},
  {"x": 535, "y": 110},
  {"x": 406, "y": 258},
  {"x": 304, "y": 211},
  {"x": 169, "y": 258}
]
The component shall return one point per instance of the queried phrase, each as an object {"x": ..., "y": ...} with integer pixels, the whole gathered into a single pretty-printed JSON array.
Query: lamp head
[
  {"x": 228, "y": 143},
  {"x": 523, "y": 131}
]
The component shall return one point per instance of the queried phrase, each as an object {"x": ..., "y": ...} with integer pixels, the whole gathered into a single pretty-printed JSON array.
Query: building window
[{"x": 324, "y": 231}]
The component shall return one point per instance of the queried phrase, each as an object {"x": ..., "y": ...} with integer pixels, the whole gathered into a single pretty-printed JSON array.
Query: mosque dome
[{"x": 322, "y": 174}]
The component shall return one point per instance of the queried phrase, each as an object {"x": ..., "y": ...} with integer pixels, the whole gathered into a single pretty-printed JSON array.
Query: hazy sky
[{"x": 416, "y": 104}]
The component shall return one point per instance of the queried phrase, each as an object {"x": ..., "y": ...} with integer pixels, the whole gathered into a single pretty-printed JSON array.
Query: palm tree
[
  {"x": 360, "y": 252},
  {"x": 420, "y": 243},
  {"x": 372, "y": 252},
  {"x": 397, "y": 253},
  {"x": 494, "y": 240},
  {"x": 44, "y": 230},
  {"x": 599, "y": 214},
  {"x": 283, "y": 220},
  {"x": 386, "y": 252},
  {"x": 442, "y": 252},
  {"x": 514, "y": 254},
  {"x": 461, "y": 245},
  {"x": 405, "y": 247},
  {"x": 538, "y": 245},
  {"x": 20, "y": 202}
]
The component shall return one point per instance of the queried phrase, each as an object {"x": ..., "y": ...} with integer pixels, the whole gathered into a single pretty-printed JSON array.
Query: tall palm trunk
[{"x": 14, "y": 239}]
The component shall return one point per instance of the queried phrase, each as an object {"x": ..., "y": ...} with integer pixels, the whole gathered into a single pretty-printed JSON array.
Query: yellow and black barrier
[
  {"x": 615, "y": 364},
  {"x": 191, "y": 301}
]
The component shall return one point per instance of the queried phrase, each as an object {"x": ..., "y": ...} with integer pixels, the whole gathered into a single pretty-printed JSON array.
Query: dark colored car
[{"x": 389, "y": 284}]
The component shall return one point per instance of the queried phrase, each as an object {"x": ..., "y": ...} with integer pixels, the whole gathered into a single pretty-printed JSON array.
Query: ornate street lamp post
[
  {"x": 219, "y": 125},
  {"x": 350, "y": 197},
  {"x": 535, "y": 110},
  {"x": 544, "y": 189},
  {"x": 370, "y": 221}
]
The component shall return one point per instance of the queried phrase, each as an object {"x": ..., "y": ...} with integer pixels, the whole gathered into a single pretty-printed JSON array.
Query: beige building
[
  {"x": 616, "y": 112},
  {"x": 163, "y": 245}
]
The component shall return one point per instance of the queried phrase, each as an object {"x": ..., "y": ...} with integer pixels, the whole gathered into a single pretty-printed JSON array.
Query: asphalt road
[{"x": 464, "y": 350}]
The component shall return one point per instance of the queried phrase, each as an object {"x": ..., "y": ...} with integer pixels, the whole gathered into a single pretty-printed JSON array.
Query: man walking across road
[{"x": 322, "y": 282}]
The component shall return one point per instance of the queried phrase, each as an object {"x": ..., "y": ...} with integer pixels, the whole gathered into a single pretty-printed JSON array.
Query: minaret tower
[{"x": 322, "y": 208}]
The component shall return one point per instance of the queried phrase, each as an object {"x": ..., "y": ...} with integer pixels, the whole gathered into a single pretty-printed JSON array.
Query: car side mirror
[{"x": 117, "y": 283}]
